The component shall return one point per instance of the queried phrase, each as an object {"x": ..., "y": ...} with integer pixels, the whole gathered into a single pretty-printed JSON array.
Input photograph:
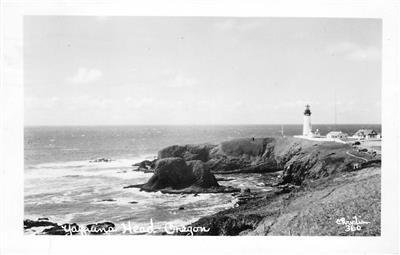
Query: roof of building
[{"x": 366, "y": 132}]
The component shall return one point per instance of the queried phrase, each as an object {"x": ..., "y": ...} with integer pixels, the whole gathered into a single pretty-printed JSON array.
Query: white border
[{"x": 14, "y": 242}]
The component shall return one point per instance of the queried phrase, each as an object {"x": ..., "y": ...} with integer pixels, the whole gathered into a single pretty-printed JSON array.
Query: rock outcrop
[
  {"x": 38, "y": 223},
  {"x": 316, "y": 209},
  {"x": 298, "y": 158},
  {"x": 175, "y": 175},
  {"x": 187, "y": 152},
  {"x": 146, "y": 165},
  {"x": 203, "y": 177},
  {"x": 170, "y": 173},
  {"x": 321, "y": 184},
  {"x": 181, "y": 166}
]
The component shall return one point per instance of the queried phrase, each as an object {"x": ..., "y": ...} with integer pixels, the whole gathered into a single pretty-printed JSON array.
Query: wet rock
[
  {"x": 203, "y": 177},
  {"x": 101, "y": 228},
  {"x": 175, "y": 176},
  {"x": 108, "y": 200},
  {"x": 227, "y": 224},
  {"x": 41, "y": 222},
  {"x": 98, "y": 160},
  {"x": 170, "y": 173},
  {"x": 65, "y": 229},
  {"x": 146, "y": 165}
]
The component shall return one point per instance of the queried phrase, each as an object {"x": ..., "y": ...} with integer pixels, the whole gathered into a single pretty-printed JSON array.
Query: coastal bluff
[
  {"x": 179, "y": 167},
  {"x": 319, "y": 186}
]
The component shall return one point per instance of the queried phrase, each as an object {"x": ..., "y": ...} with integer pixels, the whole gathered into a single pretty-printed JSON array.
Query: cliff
[
  {"x": 322, "y": 185},
  {"x": 318, "y": 208},
  {"x": 299, "y": 159}
]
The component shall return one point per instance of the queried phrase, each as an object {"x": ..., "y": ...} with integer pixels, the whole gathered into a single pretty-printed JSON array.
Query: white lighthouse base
[{"x": 319, "y": 138}]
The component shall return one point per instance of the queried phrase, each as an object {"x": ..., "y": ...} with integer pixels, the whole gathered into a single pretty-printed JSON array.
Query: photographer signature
[{"x": 351, "y": 225}]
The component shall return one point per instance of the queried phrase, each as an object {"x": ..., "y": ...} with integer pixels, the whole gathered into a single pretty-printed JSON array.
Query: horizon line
[{"x": 257, "y": 124}]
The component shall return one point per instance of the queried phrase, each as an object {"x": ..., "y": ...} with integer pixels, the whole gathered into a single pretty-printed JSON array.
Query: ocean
[{"x": 63, "y": 185}]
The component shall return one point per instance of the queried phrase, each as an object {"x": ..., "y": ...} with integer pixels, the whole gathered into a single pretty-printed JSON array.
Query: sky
[{"x": 200, "y": 70}]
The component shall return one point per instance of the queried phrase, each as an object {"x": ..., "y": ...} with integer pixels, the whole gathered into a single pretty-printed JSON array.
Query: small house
[{"x": 366, "y": 134}]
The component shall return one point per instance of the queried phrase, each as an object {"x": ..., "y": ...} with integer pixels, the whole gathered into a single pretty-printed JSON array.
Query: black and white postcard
[{"x": 172, "y": 126}]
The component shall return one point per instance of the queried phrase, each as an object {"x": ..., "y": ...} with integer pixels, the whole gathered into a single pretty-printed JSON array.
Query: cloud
[
  {"x": 84, "y": 75},
  {"x": 177, "y": 79},
  {"x": 354, "y": 52},
  {"x": 181, "y": 81}
]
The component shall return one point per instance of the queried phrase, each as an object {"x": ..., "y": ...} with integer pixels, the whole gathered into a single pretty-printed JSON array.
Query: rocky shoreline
[
  {"x": 318, "y": 183},
  {"x": 318, "y": 208}
]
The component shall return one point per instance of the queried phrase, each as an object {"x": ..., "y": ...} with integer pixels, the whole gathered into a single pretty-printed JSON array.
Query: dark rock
[
  {"x": 170, "y": 173},
  {"x": 221, "y": 179},
  {"x": 187, "y": 152},
  {"x": 133, "y": 202},
  {"x": 108, "y": 200},
  {"x": 146, "y": 165},
  {"x": 181, "y": 208},
  {"x": 41, "y": 222},
  {"x": 174, "y": 176},
  {"x": 101, "y": 228},
  {"x": 133, "y": 186},
  {"x": 227, "y": 224},
  {"x": 65, "y": 229},
  {"x": 101, "y": 160},
  {"x": 203, "y": 177},
  {"x": 43, "y": 218}
]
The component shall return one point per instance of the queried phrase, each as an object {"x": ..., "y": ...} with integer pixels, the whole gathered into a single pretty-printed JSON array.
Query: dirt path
[{"x": 348, "y": 153}]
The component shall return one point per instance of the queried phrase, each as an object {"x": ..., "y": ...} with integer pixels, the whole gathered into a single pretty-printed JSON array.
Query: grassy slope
[
  {"x": 315, "y": 209},
  {"x": 329, "y": 192},
  {"x": 311, "y": 210}
]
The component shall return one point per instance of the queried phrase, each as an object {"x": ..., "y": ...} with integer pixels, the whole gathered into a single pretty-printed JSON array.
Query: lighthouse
[{"x": 307, "y": 122}]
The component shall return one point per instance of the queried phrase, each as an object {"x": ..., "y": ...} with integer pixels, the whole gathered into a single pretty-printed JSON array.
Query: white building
[
  {"x": 366, "y": 134},
  {"x": 307, "y": 130},
  {"x": 336, "y": 135}
]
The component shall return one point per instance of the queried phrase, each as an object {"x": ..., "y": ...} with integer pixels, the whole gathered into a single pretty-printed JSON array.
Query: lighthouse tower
[{"x": 307, "y": 122}]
